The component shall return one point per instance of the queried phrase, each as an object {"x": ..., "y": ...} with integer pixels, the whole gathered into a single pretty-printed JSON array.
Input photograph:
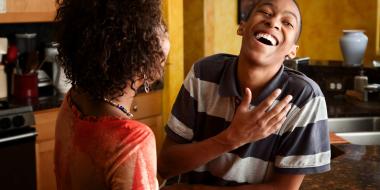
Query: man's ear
[
  {"x": 240, "y": 30},
  {"x": 293, "y": 52}
]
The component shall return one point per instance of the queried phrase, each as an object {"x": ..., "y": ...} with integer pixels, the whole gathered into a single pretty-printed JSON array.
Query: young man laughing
[{"x": 228, "y": 126}]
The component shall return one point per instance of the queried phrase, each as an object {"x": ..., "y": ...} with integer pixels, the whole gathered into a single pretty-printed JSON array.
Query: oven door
[{"x": 18, "y": 159}]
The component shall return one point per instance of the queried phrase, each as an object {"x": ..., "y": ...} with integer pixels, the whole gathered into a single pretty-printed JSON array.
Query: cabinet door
[
  {"x": 45, "y": 126},
  {"x": 21, "y": 11},
  {"x": 45, "y": 165},
  {"x": 147, "y": 108}
]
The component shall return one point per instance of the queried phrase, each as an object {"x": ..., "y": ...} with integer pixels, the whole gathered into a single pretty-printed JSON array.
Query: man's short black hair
[{"x": 255, "y": 2}]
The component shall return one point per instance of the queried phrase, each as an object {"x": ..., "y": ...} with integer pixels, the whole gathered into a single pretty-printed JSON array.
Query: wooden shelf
[
  {"x": 27, "y": 17},
  {"x": 26, "y": 11}
]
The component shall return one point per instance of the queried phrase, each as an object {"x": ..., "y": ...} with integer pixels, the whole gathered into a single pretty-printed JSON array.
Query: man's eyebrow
[
  {"x": 291, "y": 13},
  {"x": 271, "y": 5}
]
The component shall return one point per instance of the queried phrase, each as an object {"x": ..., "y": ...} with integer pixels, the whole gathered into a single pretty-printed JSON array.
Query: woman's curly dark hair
[{"x": 105, "y": 43}]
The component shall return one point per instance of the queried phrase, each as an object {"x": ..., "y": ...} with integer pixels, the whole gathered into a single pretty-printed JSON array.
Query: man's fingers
[
  {"x": 279, "y": 107},
  {"x": 263, "y": 106},
  {"x": 246, "y": 99},
  {"x": 280, "y": 117}
]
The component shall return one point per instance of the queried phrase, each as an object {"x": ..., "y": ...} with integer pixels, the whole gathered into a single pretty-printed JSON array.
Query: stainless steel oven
[{"x": 17, "y": 148}]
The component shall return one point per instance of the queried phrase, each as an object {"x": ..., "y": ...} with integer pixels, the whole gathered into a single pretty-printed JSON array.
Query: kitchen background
[{"x": 200, "y": 28}]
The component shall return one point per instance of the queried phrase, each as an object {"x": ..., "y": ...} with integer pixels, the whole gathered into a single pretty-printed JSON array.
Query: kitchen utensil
[
  {"x": 58, "y": 75},
  {"x": 26, "y": 42},
  {"x": 12, "y": 53},
  {"x": 372, "y": 87},
  {"x": 25, "y": 85},
  {"x": 360, "y": 81}
]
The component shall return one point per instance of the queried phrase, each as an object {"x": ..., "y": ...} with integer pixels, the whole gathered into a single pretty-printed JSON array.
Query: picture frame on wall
[{"x": 244, "y": 6}]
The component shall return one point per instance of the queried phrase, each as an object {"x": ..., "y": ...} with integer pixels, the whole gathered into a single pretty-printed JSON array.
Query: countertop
[
  {"x": 341, "y": 106},
  {"x": 358, "y": 168},
  {"x": 48, "y": 102},
  {"x": 336, "y": 107}
]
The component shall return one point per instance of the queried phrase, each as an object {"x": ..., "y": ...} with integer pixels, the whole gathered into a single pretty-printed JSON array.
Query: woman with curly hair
[{"x": 108, "y": 49}]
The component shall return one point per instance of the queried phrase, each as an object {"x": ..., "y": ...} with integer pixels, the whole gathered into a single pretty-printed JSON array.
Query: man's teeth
[{"x": 268, "y": 37}]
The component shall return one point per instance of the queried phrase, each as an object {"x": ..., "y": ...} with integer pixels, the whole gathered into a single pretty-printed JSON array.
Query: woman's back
[{"x": 103, "y": 152}]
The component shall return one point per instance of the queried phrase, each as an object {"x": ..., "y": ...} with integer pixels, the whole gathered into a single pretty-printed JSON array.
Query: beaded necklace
[{"x": 120, "y": 107}]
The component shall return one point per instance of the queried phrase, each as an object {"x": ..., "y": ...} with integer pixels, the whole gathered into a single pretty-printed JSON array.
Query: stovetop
[{"x": 15, "y": 117}]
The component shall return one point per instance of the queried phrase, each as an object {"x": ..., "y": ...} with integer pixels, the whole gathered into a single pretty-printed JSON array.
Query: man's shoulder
[
  {"x": 212, "y": 67},
  {"x": 217, "y": 58},
  {"x": 215, "y": 61},
  {"x": 299, "y": 81},
  {"x": 303, "y": 89}
]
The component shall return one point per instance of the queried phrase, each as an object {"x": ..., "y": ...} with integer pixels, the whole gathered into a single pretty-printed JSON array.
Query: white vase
[{"x": 353, "y": 44}]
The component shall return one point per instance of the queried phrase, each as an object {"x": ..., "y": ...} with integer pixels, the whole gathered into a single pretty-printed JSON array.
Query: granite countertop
[
  {"x": 341, "y": 106},
  {"x": 358, "y": 168}
]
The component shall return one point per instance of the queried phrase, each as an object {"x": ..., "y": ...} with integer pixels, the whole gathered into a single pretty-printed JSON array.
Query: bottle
[{"x": 360, "y": 81}]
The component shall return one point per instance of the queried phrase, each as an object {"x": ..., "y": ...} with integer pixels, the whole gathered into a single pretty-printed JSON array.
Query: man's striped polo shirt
[{"x": 206, "y": 105}]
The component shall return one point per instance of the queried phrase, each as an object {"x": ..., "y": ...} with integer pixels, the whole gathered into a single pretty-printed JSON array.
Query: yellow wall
[
  {"x": 194, "y": 35},
  {"x": 225, "y": 27},
  {"x": 378, "y": 30},
  {"x": 210, "y": 27},
  {"x": 323, "y": 20},
  {"x": 173, "y": 13}
]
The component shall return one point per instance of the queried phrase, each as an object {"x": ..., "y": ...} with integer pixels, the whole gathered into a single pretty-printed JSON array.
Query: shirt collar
[
  {"x": 230, "y": 86},
  {"x": 275, "y": 83}
]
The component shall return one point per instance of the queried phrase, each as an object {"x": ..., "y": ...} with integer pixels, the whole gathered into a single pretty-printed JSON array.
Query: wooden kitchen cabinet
[
  {"x": 145, "y": 107},
  {"x": 45, "y": 126},
  {"x": 24, "y": 11}
]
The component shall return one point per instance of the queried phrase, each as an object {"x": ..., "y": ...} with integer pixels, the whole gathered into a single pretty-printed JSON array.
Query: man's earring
[
  {"x": 146, "y": 84},
  {"x": 239, "y": 30}
]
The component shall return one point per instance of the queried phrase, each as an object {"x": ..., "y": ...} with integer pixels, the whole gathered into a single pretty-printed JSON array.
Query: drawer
[{"x": 45, "y": 123}]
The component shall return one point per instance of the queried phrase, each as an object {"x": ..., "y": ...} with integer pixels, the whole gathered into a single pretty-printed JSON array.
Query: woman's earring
[
  {"x": 287, "y": 57},
  {"x": 146, "y": 84},
  {"x": 239, "y": 31}
]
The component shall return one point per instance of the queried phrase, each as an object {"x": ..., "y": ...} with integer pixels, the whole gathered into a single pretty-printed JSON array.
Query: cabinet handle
[
  {"x": 18, "y": 137},
  {"x": 135, "y": 108}
]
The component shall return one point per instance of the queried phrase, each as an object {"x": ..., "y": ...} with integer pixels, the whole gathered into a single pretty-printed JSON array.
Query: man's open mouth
[{"x": 266, "y": 39}]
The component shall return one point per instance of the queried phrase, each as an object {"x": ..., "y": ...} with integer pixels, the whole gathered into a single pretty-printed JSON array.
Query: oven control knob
[
  {"x": 18, "y": 121},
  {"x": 5, "y": 123}
]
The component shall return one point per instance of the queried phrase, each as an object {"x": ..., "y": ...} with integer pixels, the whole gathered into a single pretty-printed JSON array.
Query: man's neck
[{"x": 255, "y": 76}]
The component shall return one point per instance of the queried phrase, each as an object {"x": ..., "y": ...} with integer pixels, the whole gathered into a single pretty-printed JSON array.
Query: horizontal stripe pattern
[
  {"x": 208, "y": 99},
  {"x": 179, "y": 128},
  {"x": 303, "y": 161},
  {"x": 315, "y": 110},
  {"x": 247, "y": 170},
  {"x": 204, "y": 108}
]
